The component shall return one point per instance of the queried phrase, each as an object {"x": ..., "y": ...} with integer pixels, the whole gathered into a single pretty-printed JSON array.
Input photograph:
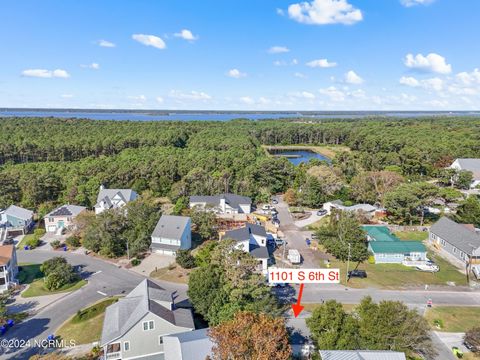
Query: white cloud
[
  {"x": 333, "y": 93},
  {"x": 280, "y": 12},
  {"x": 159, "y": 99},
  {"x": 236, "y": 74},
  {"x": 409, "y": 81},
  {"x": 66, "y": 96},
  {"x": 247, "y": 100},
  {"x": 322, "y": 12},
  {"x": 302, "y": 94},
  {"x": 150, "y": 40},
  {"x": 321, "y": 63},
  {"x": 43, "y": 73},
  {"x": 192, "y": 95},
  {"x": 186, "y": 35},
  {"x": 430, "y": 63},
  {"x": 352, "y": 78},
  {"x": 278, "y": 50},
  {"x": 299, "y": 75},
  {"x": 139, "y": 98},
  {"x": 466, "y": 78},
  {"x": 105, "y": 43},
  {"x": 93, "y": 66},
  {"x": 410, "y": 3}
]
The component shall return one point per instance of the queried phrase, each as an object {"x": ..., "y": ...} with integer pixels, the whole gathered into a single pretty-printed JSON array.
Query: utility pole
[
  {"x": 128, "y": 251},
  {"x": 348, "y": 262}
]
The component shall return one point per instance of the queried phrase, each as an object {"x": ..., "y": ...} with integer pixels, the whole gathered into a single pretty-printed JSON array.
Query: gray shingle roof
[
  {"x": 66, "y": 210},
  {"x": 128, "y": 311},
  {"x": 259, "y": 252},
  {"x": 472, "y": 165},
  {"x": 193, "y": 345},
  {"x": 171, "y": 227},
  {"x": 456, "y": 235},
  {"x": 231, "y": 199},
  {"x": 360, "y": 355},
  {"x": 108, "y": 194},
  {"x": 19, "y": 212},
  {"x": 243, "y": 234}
]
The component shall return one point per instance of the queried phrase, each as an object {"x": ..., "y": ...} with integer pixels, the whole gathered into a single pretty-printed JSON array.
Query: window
[
  {"x": 454, "y": 250},
  {"x": 51, "y": 219},
  {"x": 160, "y": 340},
  {"x": 443, "y": 242},
  {"x": 145, "y": 326},
  {"x": 126, "y": 346},
  {"x": 151, "y": 325}
]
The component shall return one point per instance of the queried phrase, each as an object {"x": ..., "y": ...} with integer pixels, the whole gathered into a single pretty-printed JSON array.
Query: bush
[
  {"x": 371, "y": 259},
  {"x": 33, "y": 242},
  {"x": 55, "y": 244},
  {"x": 39, "y": 232},
  {"x": 185, "y": 259},
  {"x": 73, "y": 241},
  {"x": 135, "y": 262},
  {"x": 58, "y": 272}
]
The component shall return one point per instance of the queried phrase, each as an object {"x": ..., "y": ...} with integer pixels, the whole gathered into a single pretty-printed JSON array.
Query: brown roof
[{"x": 6, "y": 252}]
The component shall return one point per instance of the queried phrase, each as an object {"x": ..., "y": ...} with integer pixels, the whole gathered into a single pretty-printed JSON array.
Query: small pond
[{"x": 296, "y": 157}]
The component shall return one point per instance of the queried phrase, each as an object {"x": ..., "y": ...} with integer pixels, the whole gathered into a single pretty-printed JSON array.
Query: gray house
[
  {"x": 472, "y": 165},
  {"x": 113, "y": 199},
  {"x": 190, "y": 345},
  {"x": 135, "y": 326},
  {"x": 361, "y": 355},
  {"x": 223, "y": 204},
  {"x": 172, "y": 233},
  {"x": 459, "y": 240},
  {"x": 16, "y": 218}
]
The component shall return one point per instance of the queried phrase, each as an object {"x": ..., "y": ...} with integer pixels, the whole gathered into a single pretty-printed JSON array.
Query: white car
[{"x": 428, "y": 267}]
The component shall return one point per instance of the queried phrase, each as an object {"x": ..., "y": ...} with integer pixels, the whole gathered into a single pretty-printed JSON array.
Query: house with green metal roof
[{"x": 388, "y": 249}]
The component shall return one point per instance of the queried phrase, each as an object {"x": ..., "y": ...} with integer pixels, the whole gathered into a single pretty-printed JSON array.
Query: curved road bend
[{"x": 104, "y": 279}]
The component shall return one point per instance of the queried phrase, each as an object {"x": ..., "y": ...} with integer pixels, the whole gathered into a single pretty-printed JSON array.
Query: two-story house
[
  {"x": 135, "y": 326},
  {"x": 251, "y": 238},
  {"x": 15, "y": 218},
  {"x": 62, "y": 218},
  {"x": 472, "y": 165},
  {"x": 172, "y": 233},
  {"x": 223, "y": 204},
  {"x": 459, "y": 240},
  {"x": 113, "y": 199},
  {"x": 8, "y": 267}
]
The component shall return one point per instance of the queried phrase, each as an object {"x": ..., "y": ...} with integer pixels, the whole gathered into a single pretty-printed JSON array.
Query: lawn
[
  {"x": 412, "y": 235},
  {"x": 172, "y": 273},
  {"x": 31, "y": 274},
  {"x": 391, "y": 276},
  {"x": 453, "y": 318},
  {"x": 24, "y": 241},
  {"x": 86, "y": 326}
]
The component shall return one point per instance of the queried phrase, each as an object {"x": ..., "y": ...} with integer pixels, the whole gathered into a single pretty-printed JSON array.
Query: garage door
[
  {"x": 52, "y": 228},
  {"x": 166, "y": 252}
]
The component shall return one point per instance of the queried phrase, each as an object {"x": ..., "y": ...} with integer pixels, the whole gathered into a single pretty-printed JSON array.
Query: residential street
[{"x": 103, "y": 278}]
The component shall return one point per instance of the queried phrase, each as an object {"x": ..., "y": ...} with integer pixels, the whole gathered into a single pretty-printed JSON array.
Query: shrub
[
  {"x": 185, "y": 259},
  {"x": 371, "y": 259},
  {"x": 55, "y": 244},
  {"x": 73, "y": 241},
  {"x": 33, "y": 242},
  {"x": 39, "y": 232},
  {"x": 58, "y": 272},
  {"x": 135, "y": 262}
]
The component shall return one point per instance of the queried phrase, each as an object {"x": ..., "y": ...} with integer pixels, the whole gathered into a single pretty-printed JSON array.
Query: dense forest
[{"x": 46, "y": 161}]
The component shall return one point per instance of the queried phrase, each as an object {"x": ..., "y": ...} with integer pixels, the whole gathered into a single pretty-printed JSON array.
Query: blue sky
[{"x": 241, "y": 54}]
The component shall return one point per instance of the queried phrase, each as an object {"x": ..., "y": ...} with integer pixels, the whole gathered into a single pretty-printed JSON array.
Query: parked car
[
  {"x": 274, "y": 201},
  {"x": 280, "y": 242},
  {"x": 321, "y": 212},
  {"x": 314, "y": 235},
  {"x": 457, "y": 352},
  {"x": 471, "y": 347},
  {"x": 357, "y": 273}
]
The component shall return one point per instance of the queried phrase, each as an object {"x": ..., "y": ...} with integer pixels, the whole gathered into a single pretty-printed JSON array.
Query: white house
[
  {"x": 472, "y": 165},
  {"x": 252, "y": 239},
  {"x": 190, "y": 345},
  {"x": 62, "y": 218},
  {"x": 172, "y": 233},
  {"x": 135, "y": 326},
  {"x": 8, "y": 267},
  {"x": 366, "y": 209},
  {"x": 113, "y": 199},
  {"x": 223, "y": 204}
]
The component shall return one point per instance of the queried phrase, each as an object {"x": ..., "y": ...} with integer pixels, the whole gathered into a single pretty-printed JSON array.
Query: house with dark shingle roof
[
  {"x": 8, "y": 267},
  {"x": 135, "y": 326},
  {"x": 223, "y": 204},
  {"x": 62, "y": 218},
  {"x": 472, "y": 165},
  {"x": 251, "y": 238},
  {"x": 113, "y": 199},
  {"x": 388, "y": 249},
  {"x": 172, "y": 233},
  {"x": 16, "y": 217},
  {"x": 459, "y": 240}
]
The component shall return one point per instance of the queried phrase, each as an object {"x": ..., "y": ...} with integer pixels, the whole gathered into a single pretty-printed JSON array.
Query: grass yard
[
  {"x": 24, "y": 241},
  {"x": 86, "y": 326},
  {"x": 31, "y": 274},
  {"x": 394, "y": 276},
  {"x": 412, "y": 235},
  {"x": 453, "y": 318},
  {"x": 172, "y": 273}
]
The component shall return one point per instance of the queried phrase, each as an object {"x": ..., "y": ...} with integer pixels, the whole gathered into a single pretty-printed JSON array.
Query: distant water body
[{"x": 214, "y": 115}]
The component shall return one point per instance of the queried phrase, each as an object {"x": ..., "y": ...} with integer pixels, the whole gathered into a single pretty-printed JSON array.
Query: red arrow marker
[{"x": 297, "y": 308}]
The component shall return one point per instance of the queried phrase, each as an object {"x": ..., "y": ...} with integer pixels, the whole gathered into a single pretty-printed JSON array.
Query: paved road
[{"x": 103, "y": 278}]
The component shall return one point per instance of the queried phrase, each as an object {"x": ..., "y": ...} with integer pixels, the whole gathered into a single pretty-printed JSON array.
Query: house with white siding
[
  {"x": 172, "y": 233},
  {"x": 472, "y": 165},
  {"x": 223, "y": 204},
  {"x": 113, "y": 199}
]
